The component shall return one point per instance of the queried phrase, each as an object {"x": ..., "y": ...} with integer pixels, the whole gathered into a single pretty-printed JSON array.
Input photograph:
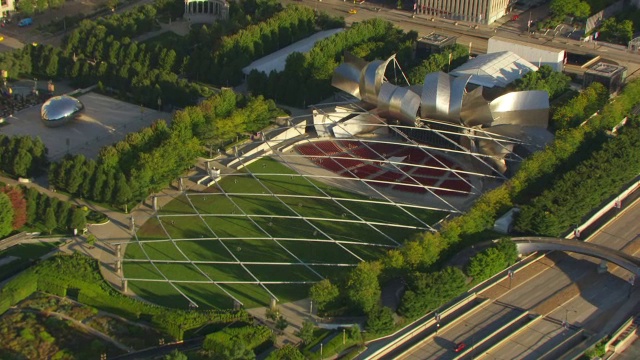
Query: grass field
[
  {"x": 24, "y": 255},
  {"x": 281, "y": 230}
]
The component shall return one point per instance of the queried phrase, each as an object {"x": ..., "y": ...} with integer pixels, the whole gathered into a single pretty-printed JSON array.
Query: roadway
[
  {"x": 560, "y": 287},
  {"x": 467, "y": 33}
]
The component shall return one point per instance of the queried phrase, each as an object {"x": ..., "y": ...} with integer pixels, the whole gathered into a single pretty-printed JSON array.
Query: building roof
[
  {"x": 495, "y": 69},
  {"x": 605, "y": 69},
  {"x": 277, "y": 60}
]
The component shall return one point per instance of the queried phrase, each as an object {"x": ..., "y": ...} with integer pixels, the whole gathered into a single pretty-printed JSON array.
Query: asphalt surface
[{"x": 567, "y": 289}]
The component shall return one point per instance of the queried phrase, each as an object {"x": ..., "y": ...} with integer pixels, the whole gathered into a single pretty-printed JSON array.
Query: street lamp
[{"x": 565, "y": 323}]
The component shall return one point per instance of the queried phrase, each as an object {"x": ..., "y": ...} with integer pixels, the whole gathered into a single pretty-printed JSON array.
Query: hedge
[{"x": 61, "y": 273}]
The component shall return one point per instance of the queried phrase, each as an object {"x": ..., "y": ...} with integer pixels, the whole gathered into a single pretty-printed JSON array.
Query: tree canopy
[{"x": 577, "y": 8}]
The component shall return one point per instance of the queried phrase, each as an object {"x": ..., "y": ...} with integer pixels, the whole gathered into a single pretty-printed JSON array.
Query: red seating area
[
  {"x": 421, "y": 180},
  {"x": 429, "y": 172},
  {"x": 389, "y": 176},
  {"x": 366, "y": 153},
  {"x": 456, "y": 185},
  {"x": 329, "y": 164},
  {"x": 385, "y": 149},
  {"x": 349, "y": 163},
  {"x": 366, "y": 171},
  {"x": 349, "y": 166},
  {"x": 319, "y": 148},
  {"x": 348, "y": 145},
  {"x": 411, "y": 189}
]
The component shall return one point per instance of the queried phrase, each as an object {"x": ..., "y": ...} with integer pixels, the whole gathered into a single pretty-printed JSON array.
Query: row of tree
[
  {"x": 224, "y": 64},
  {"x": 305, "y": 79},
  {"x": 22, "y": 156},
  {"x": 426, "y": 291},
  {"x": 30, "y": 7},
  {"x": 580, "y": 107},
  {"x": 581, "y": 190},
  {"x": 90, "y": 35},
  {"x": 450, "y": 58},
  {"x": 27, "y": 206},
  {"x": 554, "y": 82},
  {"x": 148, "y": 160}
]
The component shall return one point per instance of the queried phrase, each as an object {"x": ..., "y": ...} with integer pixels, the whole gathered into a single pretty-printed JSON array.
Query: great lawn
[{"x": 292, "y": 237}]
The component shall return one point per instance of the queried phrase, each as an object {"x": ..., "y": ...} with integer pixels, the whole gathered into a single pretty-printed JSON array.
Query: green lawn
[
  {"x": 263, "y": 237},
  {"x": 29, "y": 251},
  {"x": 25, "y": 254}
]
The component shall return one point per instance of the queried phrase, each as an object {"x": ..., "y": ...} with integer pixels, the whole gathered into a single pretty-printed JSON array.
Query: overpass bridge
[{"x": 529, "y": 244}]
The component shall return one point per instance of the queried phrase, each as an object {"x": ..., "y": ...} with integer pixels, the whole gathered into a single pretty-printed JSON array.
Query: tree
[
  {"x": 306, "y": 332},
  {"x": 78, "y": 219},
  {"x": 287, "y": 352},
  {"x": 6, "y": 215},
  {"x": 238, "y": 351},
  {"x": 32, "y": 205},
  {"x": 175, "y": 355},
  {"x": 22, "y": 163},
  {"x": 19, "y": 205},
  {"x": 577, "y": 8},
  {"x": 486, "y": 264},
  {"x": 91, "y": 240},
  {"x": 323, "y": 292},
  {"x": 380, "y": 320},
  {"x": 363, "y": 286},
  {"x": 281, "y": 323},
  {"x": 122, "y": 194},
  {"x": 50, "y": 222}
]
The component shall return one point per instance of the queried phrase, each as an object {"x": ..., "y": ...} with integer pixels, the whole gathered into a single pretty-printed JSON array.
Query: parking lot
[{"x": 104, "y": 121}]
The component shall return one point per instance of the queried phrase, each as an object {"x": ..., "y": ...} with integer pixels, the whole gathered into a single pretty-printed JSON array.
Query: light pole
[
  {"x": 565, "y": 323},
  {"x": 510, "y": 272}
]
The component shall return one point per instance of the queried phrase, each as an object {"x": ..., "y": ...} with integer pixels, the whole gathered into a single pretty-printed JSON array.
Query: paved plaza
[{"x": 104, "y": 121}]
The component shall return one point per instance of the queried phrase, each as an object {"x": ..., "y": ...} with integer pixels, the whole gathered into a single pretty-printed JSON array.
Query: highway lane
[
  {"x": 471, "y": 330},
  {"x": 564, "y": 287}
]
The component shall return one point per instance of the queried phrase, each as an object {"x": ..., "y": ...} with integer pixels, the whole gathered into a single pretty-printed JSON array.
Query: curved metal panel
[
  {"x": 384, "y": 98},
  {"x": 403, "y": 105},
  {"x": 497, "y": 151},
  {"x": 371, "y": 79},
  {"x": 475, "y": 109},
  {"x": 436, "y": 92},
  {"x": 398, "y": 103},
  {"x": 458, "y": 89},
  {"x": 59, "y": 110},
  {"x": 346, "y": 77},
  {"x": 524, "y": 108}
]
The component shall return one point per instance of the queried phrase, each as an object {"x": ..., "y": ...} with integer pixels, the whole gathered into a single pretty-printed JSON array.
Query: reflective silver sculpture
[
  {"x": 59, "y": 110},
  {"x": 398, "y": 103}
]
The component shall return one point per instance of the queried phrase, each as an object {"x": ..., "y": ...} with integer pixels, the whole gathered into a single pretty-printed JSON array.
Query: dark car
[{"x": 459, "y": 347}]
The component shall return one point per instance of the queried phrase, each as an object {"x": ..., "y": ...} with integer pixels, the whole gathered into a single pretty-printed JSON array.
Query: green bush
[
  {"x": 251, "y": 336},
  {"x": 62, "y": 272},
  {"x": 380, "y": 320},
  {"x": 428, "y": 291}
]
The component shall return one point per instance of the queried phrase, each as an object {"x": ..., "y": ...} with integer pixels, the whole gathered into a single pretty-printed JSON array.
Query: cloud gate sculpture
[
  {"x": 60, "y": 110},
  {"x": 522, "y": 115}
]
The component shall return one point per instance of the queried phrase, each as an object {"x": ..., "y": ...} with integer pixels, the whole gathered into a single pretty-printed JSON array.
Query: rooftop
[
  {"x": 277, "y": 60},
  {"x": 434, "y": 38},
  {"x": 495, "y": 69},
  {"x": 605, "y": 69}
]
